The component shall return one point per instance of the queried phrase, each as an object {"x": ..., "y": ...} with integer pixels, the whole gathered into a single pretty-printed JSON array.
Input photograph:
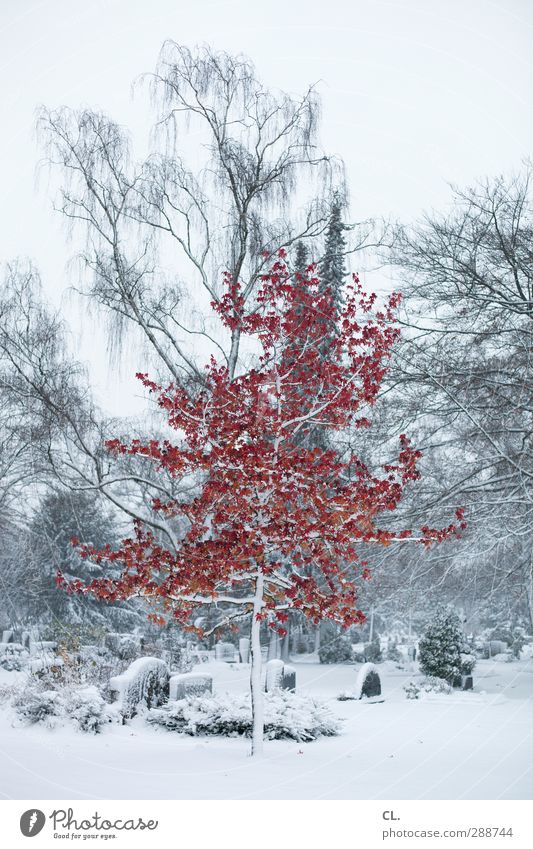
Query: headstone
[
  {"x": 279, "y": 676},
  {"x": 468, "y": 682},
  {"x": 144, "y": 682},
  {"x": 288, "y": 682},
  {"x": 274, "y": 675},
  {"x": 285, "y": 648},
  {"x": 7, "y": 636},
  {"x": 368, "y": 682},
  {"x": 189, "y": 684},
  {"x": 244, "y": 649},
  {"x": 497, "y": 647},
  {"x": 225, "y": 652}
]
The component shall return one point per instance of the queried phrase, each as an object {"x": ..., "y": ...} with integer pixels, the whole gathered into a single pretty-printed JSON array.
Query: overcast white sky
[{"x": 415, "y": 93}]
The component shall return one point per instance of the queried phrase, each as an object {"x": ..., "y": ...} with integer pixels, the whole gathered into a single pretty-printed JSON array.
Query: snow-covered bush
[
  {"x": 373, "y": 651},
  {"x": 442, "y": 646},
  {"x": 88, "y": 711},
  {"x": 335, "y": 647},
  {"x": 430, "y": 684},
  {"x": 45, "y": 707},
  {"x": 393, "y": 652},
  {"x": 13, "y": 657},
  {"x": 412, "y": 690},
  {"x": 143, "y": 684},
  {"x": 468, "y": 661},
  {"x": 287, "y": 716},
  {"x": 8, "y": 692},
  {"x": 128, "y": 648},
  {"x": 83, "y": 707}
]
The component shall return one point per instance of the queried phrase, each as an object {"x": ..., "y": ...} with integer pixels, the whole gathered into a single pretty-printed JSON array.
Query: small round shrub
[
  {"x": 373, "y": 652},
  {"x": 335, "y": 650}
]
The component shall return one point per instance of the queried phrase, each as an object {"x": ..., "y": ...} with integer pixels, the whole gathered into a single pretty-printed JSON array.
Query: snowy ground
[{"x": 464, "y": 746}]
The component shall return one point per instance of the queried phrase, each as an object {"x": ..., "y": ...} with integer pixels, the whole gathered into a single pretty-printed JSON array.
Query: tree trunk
[
  {"x": 255, "y": 671},
  {"x": 273, "y": 646},
  {"x": 285, "y": 645},
  {"x": 317, "y": 639},
  {"x": 371, "y": 634}
]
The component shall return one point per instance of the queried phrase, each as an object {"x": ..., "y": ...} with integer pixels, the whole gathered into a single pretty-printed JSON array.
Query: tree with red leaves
[{"x": 275, "y": 525}]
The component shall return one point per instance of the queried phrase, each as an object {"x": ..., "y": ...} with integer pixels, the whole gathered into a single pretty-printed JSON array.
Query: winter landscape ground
[{"x": 472, "y": 745}]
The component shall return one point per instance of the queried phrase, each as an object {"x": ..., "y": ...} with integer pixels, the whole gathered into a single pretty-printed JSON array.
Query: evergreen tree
[
  {"x": 301, "y": 258},
  {"x": 443, "y": 652},
  {"x": 332, "y": 266},
  {"x": 63, "y": 516}
]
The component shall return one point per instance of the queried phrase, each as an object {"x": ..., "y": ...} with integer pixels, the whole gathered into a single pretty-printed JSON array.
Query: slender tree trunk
[
  {"x": 274, "y": 651},
  {"x": 317, "y": 639},
  {"x": 371, "y": 634},
  {"x": 529, "y": 592},
  {"x": 285, "y": 645},
  {"x": 255, "y": 672}
]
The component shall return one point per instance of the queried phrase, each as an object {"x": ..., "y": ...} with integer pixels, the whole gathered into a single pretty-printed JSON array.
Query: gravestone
[
  {"x": 368, "y": 682},
  {"x": 285, "y": 648},
  {"x": 225, "y": 652},
  {"x": 7, "y": 636},
  {"x": 189, "y": 684},
  {"x": 144, "y": 682},
  {"x": 288, "y": 682},
  {"x": 497, "y": 647},
  {"x": 274, "y": 675},
  {"x": 42, "y": 646},
  {"x": 244, "y": 649},
  {"x": 467, "y": 682},
  {"x": 279, "y": 676}
]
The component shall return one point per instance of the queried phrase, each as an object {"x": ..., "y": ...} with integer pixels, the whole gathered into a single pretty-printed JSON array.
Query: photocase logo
[{"x": 32, "y": 822}]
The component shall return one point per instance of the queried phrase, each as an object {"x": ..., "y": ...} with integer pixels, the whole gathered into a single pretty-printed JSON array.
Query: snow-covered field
[{"x": 464, "y": 746}]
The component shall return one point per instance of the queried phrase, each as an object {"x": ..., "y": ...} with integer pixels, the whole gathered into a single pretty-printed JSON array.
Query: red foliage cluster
[{"x": 266, "y": 504}]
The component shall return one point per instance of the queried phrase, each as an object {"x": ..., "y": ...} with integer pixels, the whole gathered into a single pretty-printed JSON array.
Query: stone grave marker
[
  {"x": 244, "y": 649},
  {"x": 225, "y": 652},
  {"x": 279, "y": 676},
  {"x": 368, "y": 682},
  {"x": 189, "y": 684},
  {"x": 288, "y": 682}
]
